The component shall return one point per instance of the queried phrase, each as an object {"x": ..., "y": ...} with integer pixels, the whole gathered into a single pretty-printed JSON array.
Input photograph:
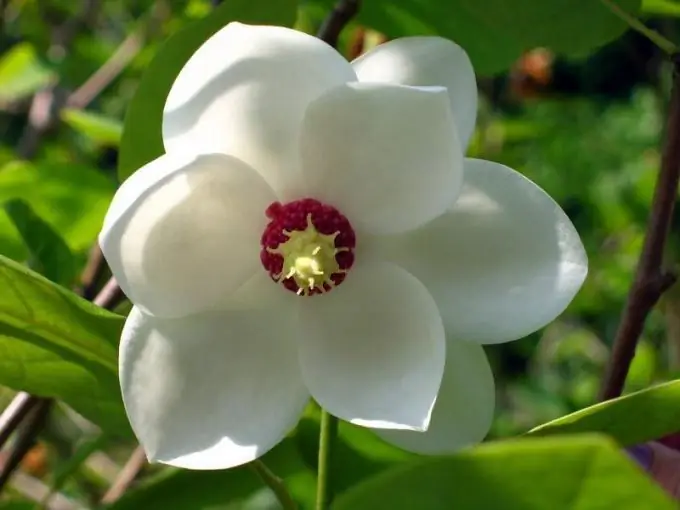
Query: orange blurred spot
[{"x": 532, "y": 73}]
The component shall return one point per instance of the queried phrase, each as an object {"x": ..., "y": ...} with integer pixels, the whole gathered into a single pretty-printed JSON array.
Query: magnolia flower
[{"x": 315, "y": 230}]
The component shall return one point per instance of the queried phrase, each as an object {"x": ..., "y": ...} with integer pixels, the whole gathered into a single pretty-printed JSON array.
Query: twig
[
  {"x": 15, "y": 413},
  {"x": 651, "y": 280},
  {"x": 26, "y": 440},
  {"x": 340, "y": 16},
  {"x": 665, "y": 44},
  {"x": 110, "y": 296},
  {"x": 44, "y": 109},
  {"x": 275, "y": 483},
  {"x": 92, "y": 274},
  {"x": 108, "y": 72},
  {"x": 37, "y": 491},
  {"x": 126, "y": 476}
]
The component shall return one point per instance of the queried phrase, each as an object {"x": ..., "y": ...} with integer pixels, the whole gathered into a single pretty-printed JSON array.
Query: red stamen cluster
[{"x": 293, "y": 216}]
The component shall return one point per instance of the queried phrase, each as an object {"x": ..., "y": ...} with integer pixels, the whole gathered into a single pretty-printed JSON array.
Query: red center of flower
[{"x": 307, "y": 246}]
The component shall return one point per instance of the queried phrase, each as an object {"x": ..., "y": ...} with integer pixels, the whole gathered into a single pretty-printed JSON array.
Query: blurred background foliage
[{"x": 588, "y": 131}]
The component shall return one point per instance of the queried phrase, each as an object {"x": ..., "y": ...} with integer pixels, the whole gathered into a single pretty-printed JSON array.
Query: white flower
[{"x": 422, "y": 255}]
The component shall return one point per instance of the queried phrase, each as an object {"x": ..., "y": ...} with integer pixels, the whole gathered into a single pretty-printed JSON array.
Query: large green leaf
[
  {"x": 55, "y": 344},
  {"x": 621, "y": 418},
  {"x": 141, "y": 140},
  {"x": 495, "y": 32},
  {"x": 584, "y": 473},
  {"x": 49, "y": 254}
]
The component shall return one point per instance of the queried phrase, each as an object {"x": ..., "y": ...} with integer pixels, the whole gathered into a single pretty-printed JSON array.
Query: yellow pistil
[{"x": 309, "y": 258}]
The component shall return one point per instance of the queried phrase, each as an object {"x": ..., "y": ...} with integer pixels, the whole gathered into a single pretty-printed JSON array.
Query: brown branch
[
  {"x": 26, "y": 439},
  {"x": 108, "y": 72},
  {"x": 126, "y": 477},
  {"x": 110, "y": 296},
  {"x": 15, "y": 413},
  {"x": 92, "y": 274},
  {"x": 340, "y": 16},
  {"x": 35, "y": 490},
  {"x": 651, "y": 279}
]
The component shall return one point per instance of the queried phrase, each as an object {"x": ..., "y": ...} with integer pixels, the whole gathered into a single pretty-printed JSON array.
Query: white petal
[
  {"x": 426, "y": 61},
  {"x": 372, "y": 349},
  {"x": 385, "y": 155},
  {"x": 504, "y": 262},
  {"x": 464, "y": 410},
  {"x": 210, "y": 391},
  {"x": 244, "y": 93},
  {"x": 184, "y": 232}
]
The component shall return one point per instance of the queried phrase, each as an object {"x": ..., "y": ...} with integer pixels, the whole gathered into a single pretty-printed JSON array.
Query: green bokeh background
[{"x": 586, "y": 126}]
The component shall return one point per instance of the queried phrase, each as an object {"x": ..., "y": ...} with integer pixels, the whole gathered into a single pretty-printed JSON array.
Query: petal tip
[{"x": 391, "y": 425}]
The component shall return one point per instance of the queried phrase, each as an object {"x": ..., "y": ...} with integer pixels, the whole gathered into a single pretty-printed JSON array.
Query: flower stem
[
  {"x": 275, "y": 484},
  {"x": 665, "y": 44},
  {"x": 327, "y": 437}
]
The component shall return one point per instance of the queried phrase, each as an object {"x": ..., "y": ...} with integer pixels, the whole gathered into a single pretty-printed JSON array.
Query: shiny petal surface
[
  {"x": 210, "y": 391},
  {"x": 183, "y": 232},
  {"x": 464, "y": 410},
  {"x": 372, "y": 349},
  {"x": 504, "y": 262},
  {"x": 244, "y": 93},
  {"x": 426, "y": 61},
  {"x": 386, "y": 155}
]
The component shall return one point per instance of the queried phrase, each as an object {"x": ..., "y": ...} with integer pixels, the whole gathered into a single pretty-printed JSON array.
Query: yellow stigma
[{"x": 309, "y": 258}]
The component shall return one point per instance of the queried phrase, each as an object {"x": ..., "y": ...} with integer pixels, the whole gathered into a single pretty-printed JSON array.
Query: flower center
[{"x": 307, "y": 246}]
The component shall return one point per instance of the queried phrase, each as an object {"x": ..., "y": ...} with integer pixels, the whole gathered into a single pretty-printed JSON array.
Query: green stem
[
  {"x": 665, "y": 44},
  {"x": 274, "y": 483},
  {"x": 327, "y": 437}
]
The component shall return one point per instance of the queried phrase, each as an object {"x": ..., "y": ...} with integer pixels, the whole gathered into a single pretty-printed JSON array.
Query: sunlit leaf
[
  {"x": 49, "y": 254},
  {"x": 22, "y": 73},
  {"x": 621, "y": 418},
  {"x": 97, "y": 127},
  {"x": 661, "y": 7},
  {"x": 587, "y": 473},
  {"x": 71, "y": 198},
  {"x": 55, "y": 344}
]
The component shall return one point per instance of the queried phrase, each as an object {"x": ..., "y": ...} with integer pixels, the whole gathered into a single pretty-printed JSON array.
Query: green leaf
[
  {"x": 22, "y": 73},
  {"x": 496, "y": 32},
  {"x": 18, "y": 505},
  {"x": 99, "y": 128},
  {"x": 49, "y": 254},
  {"x": 661, "y": 7},
  {"x": 141, "y": 140},
  {"x": 616, "y": 418},
  {"x": 71, "y": 198},
  {"x": 584, "y": 473},
  {"x": 177, "y": 489},
  {"x": 55, "y": 344}
]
